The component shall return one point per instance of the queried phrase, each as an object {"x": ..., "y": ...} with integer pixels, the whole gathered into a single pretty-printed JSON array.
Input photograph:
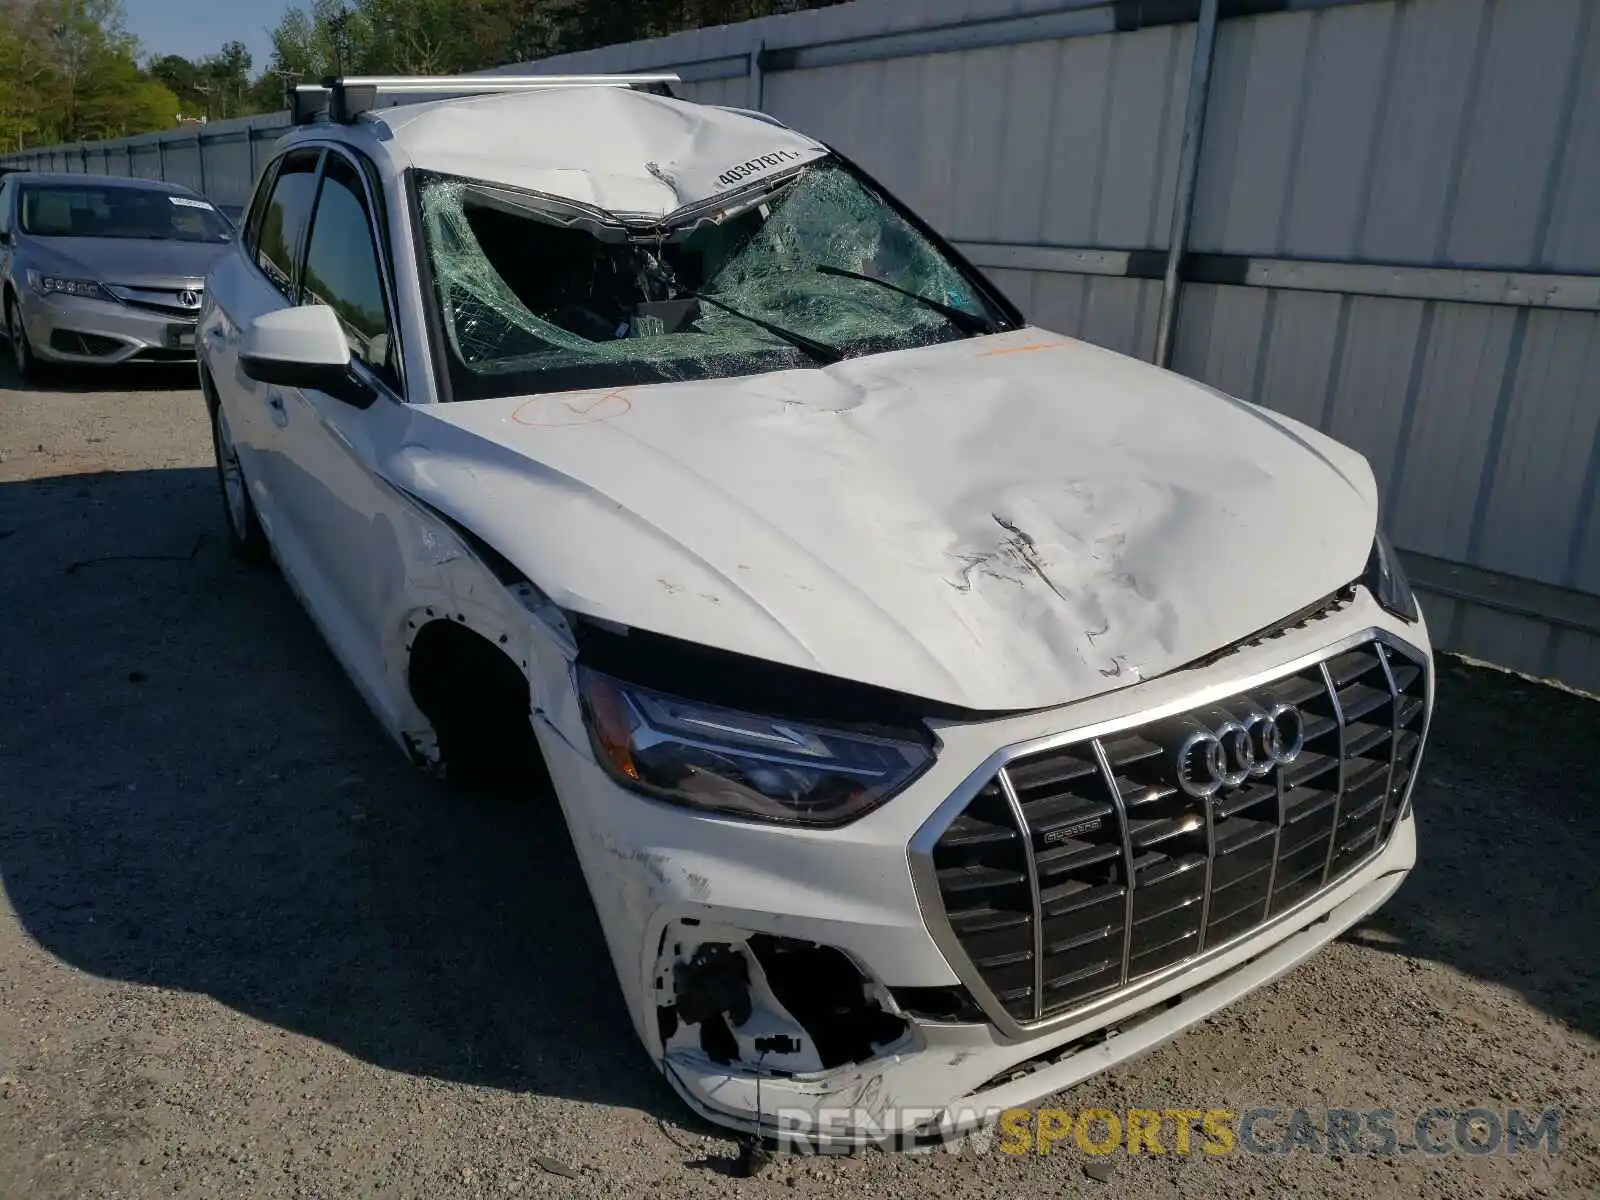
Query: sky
[{"x": 195, "y": 28}]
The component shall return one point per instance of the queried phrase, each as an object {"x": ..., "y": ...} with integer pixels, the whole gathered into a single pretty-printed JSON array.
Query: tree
[
  {"x": 227, "y": 79},
  {"x": 68, "y": 73},
  {"x": 179, "y": 76}
]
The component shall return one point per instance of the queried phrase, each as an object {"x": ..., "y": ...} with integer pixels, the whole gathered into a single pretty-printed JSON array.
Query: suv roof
[{"x": 624, "y": 151}]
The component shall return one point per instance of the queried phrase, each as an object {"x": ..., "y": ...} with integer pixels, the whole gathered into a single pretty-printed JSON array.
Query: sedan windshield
[
  {"x": 109, "y": 211},
  {"x": 538, "y": 295}
]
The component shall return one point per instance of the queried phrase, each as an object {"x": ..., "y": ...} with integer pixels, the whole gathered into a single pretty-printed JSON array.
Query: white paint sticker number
[{"x": 186, "y": 202}]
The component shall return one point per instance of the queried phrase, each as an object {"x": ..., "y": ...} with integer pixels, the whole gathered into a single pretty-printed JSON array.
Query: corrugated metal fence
[{"x": 1395, "y": 237}]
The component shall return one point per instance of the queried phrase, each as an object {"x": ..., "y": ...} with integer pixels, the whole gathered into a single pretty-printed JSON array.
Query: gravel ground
[{"x": 246, "y": 951}]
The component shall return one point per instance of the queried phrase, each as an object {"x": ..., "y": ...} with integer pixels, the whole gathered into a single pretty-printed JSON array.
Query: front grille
[
  {"x": 89, "y": 345},
  {"x": 1082, "y": 869},
  {"x": 161, "y": 300}
]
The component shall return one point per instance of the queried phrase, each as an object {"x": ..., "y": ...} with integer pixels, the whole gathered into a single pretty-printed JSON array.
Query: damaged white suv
[{"x": 942, "y": 709}]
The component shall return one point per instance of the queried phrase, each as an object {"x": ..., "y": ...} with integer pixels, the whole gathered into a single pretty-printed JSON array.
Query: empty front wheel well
[{"x": 477, "y": 699}]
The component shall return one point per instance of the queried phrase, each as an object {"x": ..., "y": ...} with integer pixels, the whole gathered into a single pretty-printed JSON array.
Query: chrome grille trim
[
  {"x": 162, "y": 300},
  {"x": 1338, "y": 792},
  {"x": 1058, "y": 760},
  {"x": 1394, "y": 731},
  {"x": 1120, "y": 811},
  {"x": 1032, "y": 869},
  {"x": 1210, "y": 813}
]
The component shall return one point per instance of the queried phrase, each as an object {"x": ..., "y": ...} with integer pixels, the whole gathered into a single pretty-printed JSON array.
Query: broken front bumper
[{"x": 809, "y": 983}]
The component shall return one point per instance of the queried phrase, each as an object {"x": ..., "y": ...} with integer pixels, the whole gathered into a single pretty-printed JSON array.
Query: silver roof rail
[{"x": 344, "y": 98}]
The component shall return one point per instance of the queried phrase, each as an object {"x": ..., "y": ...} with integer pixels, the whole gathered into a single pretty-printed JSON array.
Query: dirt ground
[{"x": 246, "y": 951}]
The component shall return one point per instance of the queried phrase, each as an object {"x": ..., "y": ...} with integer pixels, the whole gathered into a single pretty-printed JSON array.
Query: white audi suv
[{"x": 942, "y": 709}]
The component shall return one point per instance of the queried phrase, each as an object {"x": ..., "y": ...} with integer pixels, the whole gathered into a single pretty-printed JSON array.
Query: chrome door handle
[{"x": 280, "y": 415}]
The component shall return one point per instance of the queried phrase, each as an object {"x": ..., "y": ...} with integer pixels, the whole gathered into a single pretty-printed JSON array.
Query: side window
[
  {"x": 283, "y": 224},
  {"x": 250, "y": 223},
  {"x": 342, "y": 269},
  {"x": 5, "y": 206}
]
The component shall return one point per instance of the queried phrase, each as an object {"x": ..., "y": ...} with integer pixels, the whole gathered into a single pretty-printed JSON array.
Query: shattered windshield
[{"x": 538, "y": 294}]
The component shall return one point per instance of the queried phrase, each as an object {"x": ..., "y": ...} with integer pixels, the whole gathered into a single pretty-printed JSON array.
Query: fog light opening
[{"x": 790, "y": 1007}]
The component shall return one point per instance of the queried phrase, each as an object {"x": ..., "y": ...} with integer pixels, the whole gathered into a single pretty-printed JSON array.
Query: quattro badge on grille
[{"x": 1067, "y": 832}]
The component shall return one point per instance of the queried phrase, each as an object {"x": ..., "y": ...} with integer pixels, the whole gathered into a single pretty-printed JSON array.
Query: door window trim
[
  {"x": 255, "y": 210},
  {"x": 373, "y": 196},
  {"x": 297, "y": 261}
]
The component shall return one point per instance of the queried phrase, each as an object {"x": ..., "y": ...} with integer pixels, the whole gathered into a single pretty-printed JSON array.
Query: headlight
[
  {"x": 1386, "y": 580},
  {"x": 720, "y": 760},
  {"x": 86, "y": 288}
]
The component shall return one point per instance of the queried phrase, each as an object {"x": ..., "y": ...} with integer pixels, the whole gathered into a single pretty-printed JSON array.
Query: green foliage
[{"x": 68, "y": 73}]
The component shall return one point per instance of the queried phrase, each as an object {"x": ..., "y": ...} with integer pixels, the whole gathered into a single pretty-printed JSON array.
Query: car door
[
  {"x": 339, "y": 513},
  {"x": 258, "y": 275}
]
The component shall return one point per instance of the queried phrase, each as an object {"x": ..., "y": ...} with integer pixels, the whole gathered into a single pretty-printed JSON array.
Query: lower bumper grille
[
  {"x": 89, "y": 345},
  {"x": 1079, "y": 870}
]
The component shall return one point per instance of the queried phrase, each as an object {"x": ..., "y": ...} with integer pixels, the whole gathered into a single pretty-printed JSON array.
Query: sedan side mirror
[{"x": 303, "y": 347}]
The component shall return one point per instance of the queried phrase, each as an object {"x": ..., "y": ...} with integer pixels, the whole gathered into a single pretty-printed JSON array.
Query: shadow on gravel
[
  {"x": 136, "y": 377},
  {"x": 193, "y": 796},
  {"x": 1507, "y": 882}
]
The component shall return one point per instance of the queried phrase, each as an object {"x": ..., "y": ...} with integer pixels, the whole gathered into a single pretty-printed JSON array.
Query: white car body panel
[
  {"x": 1004, "y": 523},
  {"x": 1021, "y": 527}
]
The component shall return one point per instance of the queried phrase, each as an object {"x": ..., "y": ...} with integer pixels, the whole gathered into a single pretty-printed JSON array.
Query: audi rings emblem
[{"x": 1221, "y": 748}]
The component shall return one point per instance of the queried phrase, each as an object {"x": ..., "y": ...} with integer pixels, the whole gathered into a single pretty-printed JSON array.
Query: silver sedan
[{"x": 97, "y": 270}]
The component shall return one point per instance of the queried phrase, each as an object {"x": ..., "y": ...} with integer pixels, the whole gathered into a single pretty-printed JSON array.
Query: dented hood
[{"x": 1000, "y": 523}]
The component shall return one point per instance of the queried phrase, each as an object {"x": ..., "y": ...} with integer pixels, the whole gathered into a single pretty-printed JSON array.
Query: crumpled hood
[
  {"x": 133, "y": 262},
  {"x": 999, "y": 523}
]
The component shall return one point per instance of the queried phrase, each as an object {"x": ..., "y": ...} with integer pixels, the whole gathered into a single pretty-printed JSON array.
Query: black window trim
[
  {"x": 250, "y": 224},
  {"x": 376, "y": 235},
  {"x": 297, "y": 263}
]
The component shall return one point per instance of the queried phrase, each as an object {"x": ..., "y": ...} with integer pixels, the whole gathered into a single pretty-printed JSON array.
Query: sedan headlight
[
  {"x": 1386, "y": 580},
  {"x": 721, "y": 760},
  {"x": 86, "y": 288}
]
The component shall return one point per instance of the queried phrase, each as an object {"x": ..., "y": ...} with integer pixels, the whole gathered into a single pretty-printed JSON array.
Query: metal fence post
[
  {"x": 161, "y": 159},
  {"x": 758, "y": 76},
  {"x": 127, "y": 151},
  {"x": 200, "y": 160},
  {"x": 1194, "y": 127}
]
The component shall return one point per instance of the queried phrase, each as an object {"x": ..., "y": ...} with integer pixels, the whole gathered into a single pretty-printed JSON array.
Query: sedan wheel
[
  {"x": 21, "y": 352},
  {"x": 244, "y": 530}
]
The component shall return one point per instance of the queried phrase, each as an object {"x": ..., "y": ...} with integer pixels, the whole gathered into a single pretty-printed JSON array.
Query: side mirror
[{"x": 303, "y": 347}]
